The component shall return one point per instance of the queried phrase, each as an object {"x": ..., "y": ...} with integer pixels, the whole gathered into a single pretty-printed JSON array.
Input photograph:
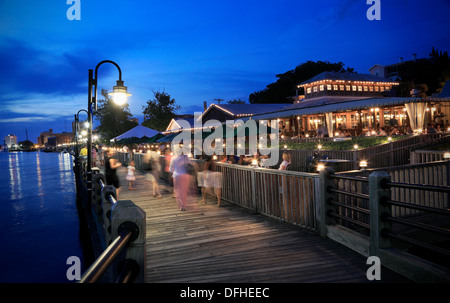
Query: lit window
[
  {"x": 347, "y": 87},
  {"x": 341, "y": 87},
  {"x": 387, "y": 87},
  {"x": 335, "y": 87},
  {"x": 371, "y": 88},
  {"x": 366, "y": 88},
  {"x": 315, "y": 89},
  {"x": 308, "y": 90},
  {"x": 354, "y": 88},
  {"x": 360, "y": 88},
  {"x": 381, "y": 88},
  {"x": 377, "y": 89},
  {"x": 328, "y": 86},
  {"x": 321, "y": 87}
]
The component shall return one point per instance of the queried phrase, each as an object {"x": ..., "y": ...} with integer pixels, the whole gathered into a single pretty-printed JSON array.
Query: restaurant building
[{"x": 350, "y": 104}]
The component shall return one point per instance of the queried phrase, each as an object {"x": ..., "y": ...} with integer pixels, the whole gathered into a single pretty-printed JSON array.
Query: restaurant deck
[{"x": 210, "y": 244}]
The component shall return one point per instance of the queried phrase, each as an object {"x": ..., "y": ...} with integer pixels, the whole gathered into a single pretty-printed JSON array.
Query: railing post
[
  {"x": 379, "y": 192},
  {"x": 107, "y": 191},
  {"x": 323, "y": 206},
  {"x": 253, "y": 188},
  {"x": 125, "y": 212},
  {"x": 97, "y": 196}
]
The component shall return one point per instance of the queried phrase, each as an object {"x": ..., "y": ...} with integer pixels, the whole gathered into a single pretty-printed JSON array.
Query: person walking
[
  {"x": 111, "y": 166},
  {"x": 181, "y": 179},
  {"x": 130, "y": 176},
  {"x": 152, "y": 175}
]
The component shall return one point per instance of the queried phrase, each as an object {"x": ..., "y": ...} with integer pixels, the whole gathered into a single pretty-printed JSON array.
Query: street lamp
[
  {"x": 77, "y": 120},
  {"x": 119, "y": 96}
]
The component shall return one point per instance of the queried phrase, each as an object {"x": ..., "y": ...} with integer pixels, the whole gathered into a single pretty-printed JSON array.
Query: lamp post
[
  {"x": 119, "y": 96},
  {"x": 77, "y": 120}
]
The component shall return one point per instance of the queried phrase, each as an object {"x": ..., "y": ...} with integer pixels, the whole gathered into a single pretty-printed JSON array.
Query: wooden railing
[
  {"x": 284, "y": 195},
  {"x": 425, "y": 156},
  {"x": 394, "y": 153}
]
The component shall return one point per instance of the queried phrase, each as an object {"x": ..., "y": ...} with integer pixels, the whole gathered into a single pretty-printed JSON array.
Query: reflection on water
[
  {"x": 38, "y": 217},
  {"x": 14, "y": 176}
]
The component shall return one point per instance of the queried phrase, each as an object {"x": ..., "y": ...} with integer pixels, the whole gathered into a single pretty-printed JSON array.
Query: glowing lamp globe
[{"x": 119, "y": 93}]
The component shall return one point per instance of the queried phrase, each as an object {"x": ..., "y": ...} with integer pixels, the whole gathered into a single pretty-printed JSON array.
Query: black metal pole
[{"x": 89, "y": 142}]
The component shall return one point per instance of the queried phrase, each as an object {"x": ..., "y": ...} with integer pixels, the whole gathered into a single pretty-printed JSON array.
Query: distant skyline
[{"x": 194, "y": 50}]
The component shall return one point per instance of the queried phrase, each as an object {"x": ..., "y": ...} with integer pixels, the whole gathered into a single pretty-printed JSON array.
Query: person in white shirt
[
  {"x": 286, "y": 162},
  {"x": 181, "y": 179}
]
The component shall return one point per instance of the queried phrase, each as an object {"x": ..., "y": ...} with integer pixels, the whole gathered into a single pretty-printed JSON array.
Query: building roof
[
  {"x": 240, "y": 110},
  {"x": 138, "y": 132},
  {"x": 345, "y": 77},
  {"x": 326, "y": 106}
]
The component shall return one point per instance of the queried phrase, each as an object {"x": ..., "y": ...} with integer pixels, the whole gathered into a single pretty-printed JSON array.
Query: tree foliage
[
  {"x": 159, "y": 112},
  {"x": 114, "y": 119},
  {"x": 287, "y": 82},
  {"x": 428, "y": 75}
]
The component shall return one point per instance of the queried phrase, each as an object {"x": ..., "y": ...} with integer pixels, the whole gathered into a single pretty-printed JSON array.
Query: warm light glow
[
  {"x": 355, "y": 146},
  {"x": 319, "y": 146},
  {"x": 119, "y": 94},
  {"x": 320, "y": 167},
  {"x": 447, "y": 155},
  {"x": 254, "y": 162},
  {"x": 363, "y": 163},
  {"x": 120, "y": 98},
  {"x": 389, "y": 138}
]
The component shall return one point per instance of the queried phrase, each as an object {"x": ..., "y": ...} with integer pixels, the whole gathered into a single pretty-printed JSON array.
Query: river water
[{"x": 39, "y": 224}]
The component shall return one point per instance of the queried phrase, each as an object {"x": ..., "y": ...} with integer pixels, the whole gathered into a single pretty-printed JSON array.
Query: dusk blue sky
[{"x": 194, "y": 50}]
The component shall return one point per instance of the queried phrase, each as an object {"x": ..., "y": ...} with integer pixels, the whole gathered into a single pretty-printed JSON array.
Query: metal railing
[
  {"x": 119, "y": 228},
  {"x": 351, "y": 207},
  {"x": 128, "y": 233},
  {"x": 437, "y": 230},
  {"x": 363, "y": 214}
]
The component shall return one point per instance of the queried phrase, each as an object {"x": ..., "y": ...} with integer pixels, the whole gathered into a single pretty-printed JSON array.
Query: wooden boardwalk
[{"x": 210, "y": 244}]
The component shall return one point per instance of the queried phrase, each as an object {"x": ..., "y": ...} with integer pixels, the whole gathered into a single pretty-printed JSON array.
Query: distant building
[
  {"x": 10, "y": 140},
  {"x": 346, "y": 84},
  {"x": 60, "y": 138},
  {"x": 391, "y": 71}
]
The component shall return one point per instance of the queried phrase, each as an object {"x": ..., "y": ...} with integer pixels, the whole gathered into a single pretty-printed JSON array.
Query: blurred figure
[
  {"x": 152, "y": 175},
  {"x": 94, "y": 156},
  {"x": 168, "y": 158},
  {"x": 213, "y": 181},
  {"x": 101, "y": 156},
  {"x": 111, "y": 165},
  {"x": 181, "y": 179},
  {"x": 201, "y": 178},
  {"x": 130, "y": 176},
  {"x": 83, "y": 151}
]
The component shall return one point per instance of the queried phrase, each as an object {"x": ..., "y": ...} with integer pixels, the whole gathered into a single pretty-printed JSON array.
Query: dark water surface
[{"x": 39, "y": 224}]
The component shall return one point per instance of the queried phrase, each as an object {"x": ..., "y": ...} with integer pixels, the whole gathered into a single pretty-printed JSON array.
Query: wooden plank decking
[{"x": 231, "y": 245}]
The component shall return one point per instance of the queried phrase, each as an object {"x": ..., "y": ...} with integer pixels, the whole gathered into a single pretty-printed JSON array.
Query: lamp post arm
[{"x": 94, "y": 81}]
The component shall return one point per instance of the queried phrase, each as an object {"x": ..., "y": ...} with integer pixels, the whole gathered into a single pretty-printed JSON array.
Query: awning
[{"x": 301, "y": 110}]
